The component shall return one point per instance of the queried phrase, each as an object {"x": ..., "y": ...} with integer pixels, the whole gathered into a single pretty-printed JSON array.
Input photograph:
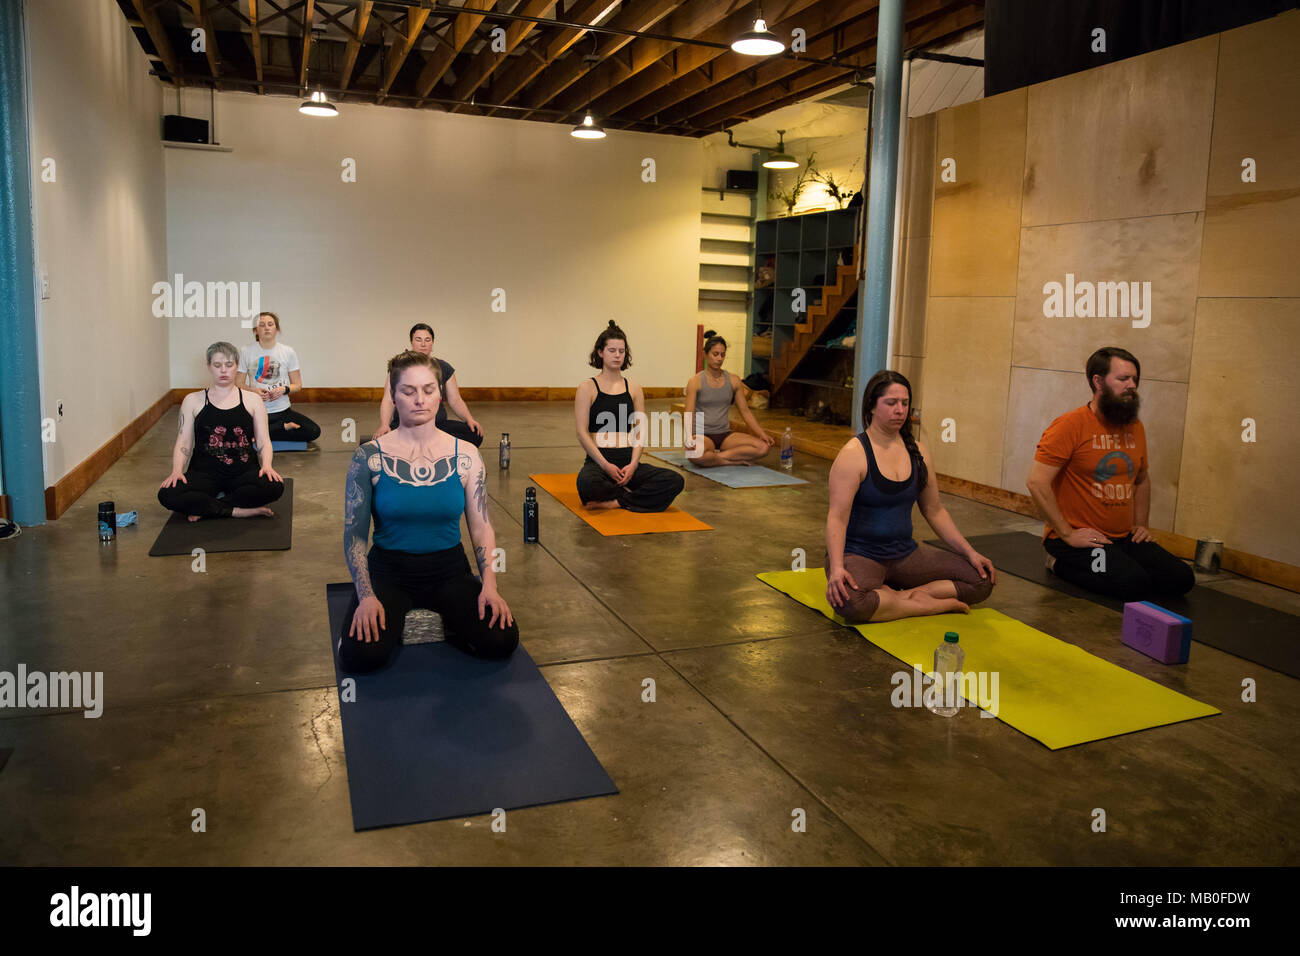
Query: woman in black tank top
[
  {"x": 223, "y": 436},
  {"x": 609, "y": 414}
]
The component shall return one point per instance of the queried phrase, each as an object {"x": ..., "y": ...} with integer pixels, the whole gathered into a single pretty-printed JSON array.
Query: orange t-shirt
[{"x": 1099, "y": 464}]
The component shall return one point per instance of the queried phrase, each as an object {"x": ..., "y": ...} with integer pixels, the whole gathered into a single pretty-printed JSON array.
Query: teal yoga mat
[{"x": 733, "y": 476}]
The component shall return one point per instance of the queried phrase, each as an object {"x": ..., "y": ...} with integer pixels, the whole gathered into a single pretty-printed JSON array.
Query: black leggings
[
  {"x": 452, "y": 426},
  {"x": 650, "y": 489},
  {"x": 197, "y": 494},
  {"x": 1132, "y": 571},
  {"x": 307, "y": 429},
  {"x": 440, "y": 581}
]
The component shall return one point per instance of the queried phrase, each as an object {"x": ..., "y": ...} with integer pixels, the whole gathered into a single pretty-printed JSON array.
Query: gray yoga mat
[
  {"x": 439, "y": 734},
  {"x": 733, "y": 476},
  {"x": 1230, "y": 624},
  {"x": 181, "y": 536}
]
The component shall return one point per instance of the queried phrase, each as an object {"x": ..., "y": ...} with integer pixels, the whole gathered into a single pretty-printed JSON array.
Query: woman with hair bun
[
  {"x": 607, "y": 410},
  {"x": 875, "y": 480},
  {"x": 709, "y": 398}
]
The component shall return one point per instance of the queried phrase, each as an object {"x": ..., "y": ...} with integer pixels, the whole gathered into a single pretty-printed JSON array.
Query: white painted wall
[
  {"x": 445, "y": 209},
  {"x": 100, "y": 226}
]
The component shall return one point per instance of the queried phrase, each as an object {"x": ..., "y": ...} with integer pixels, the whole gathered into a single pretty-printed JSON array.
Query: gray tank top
[{"x": 714, "y": 405}]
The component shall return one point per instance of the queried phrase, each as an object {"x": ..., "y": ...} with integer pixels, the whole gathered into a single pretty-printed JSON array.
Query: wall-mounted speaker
[
  {"x": 744, "y": 180},
  {"x": 184, "y": 129}
]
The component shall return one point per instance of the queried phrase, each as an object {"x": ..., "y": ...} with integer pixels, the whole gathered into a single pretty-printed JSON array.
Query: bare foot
[
  {"x": 252, "y": 513},
  {"x": 288, "y": 425},
  {"x": 192, "y": 518},
  {"x": 602, "y": 505},
  {"x": 928, "y": 604}
]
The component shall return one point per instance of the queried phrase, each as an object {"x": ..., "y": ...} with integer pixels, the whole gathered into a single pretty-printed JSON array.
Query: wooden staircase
[{"x": 807, "y": 332}]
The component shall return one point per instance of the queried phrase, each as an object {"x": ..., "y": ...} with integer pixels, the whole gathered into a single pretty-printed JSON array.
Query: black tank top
[
  {"x": 223, "y": 437},
  {"x": 611, "y": 413}
]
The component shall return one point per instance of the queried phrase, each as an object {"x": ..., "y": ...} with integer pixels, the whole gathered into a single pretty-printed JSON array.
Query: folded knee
[{"x": 861, "y": 607}]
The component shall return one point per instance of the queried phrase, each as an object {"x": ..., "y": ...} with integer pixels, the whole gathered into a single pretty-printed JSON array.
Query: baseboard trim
[{"x": 60, "y": 496}]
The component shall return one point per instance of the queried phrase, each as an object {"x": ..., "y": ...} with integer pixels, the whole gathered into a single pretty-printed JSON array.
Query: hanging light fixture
[
  {"x": 588, "y": 128},
  {"x": 759, "y": 41},
  {"x": 318, "y": 105},
  {"x": 781, "y": 159}
]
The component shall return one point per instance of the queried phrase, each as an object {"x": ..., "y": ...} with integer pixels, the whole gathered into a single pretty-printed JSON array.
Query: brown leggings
[{"x": 922, "y": 566}]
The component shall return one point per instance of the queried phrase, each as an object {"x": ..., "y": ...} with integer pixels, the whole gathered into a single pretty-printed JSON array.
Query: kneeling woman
[
  {"x": 607, "y": 410},
  {"x": 875, "y": 480},
  {"x": 712, "y": 393},
  {"x": 218, "y": 427},
  {"x": 412, "y": 482}
]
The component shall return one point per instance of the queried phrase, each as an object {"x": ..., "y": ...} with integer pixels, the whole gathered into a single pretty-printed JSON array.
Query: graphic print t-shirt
[
  {"x": 269, "y": 368},
  {"x": 1099, "y": 464}
]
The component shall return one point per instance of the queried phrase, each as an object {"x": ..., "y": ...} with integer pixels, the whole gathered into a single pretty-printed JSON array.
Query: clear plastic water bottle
[
  {"x": 949, "y": 658},
  {"x": 787, "y": 451},
  {"x": 504, "y": 457}
]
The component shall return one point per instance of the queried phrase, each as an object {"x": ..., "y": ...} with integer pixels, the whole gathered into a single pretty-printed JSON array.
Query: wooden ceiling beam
[
  {"x": 815, "y": 21},
  {"x": 950, "y": 24},
  {"x": 158, "y": 37},
  {"x": 686, "y": 59},
  {"x": 522, "y": 71},
  {"x": 401, "y": 48},
  {"x": 454, "y": 39},
  {"x": 257, "y": 43},
  {"x": 636, "y": 15},
  {"x": 360, "y": 20},
  {"x": 686, "y": 21},
  {"x": 485, "y": 64},
  {"x": 307, "y": 15},
  {"x": 209, "y": 40}
]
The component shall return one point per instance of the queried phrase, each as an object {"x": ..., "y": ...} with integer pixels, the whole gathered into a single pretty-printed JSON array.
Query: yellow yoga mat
[
  {"x": 564, "y": 489},
  {"x": 1053, "y": 691}
]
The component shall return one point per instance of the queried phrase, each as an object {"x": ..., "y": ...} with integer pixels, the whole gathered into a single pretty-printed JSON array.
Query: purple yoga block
[{"x": 1161, "y": 634}]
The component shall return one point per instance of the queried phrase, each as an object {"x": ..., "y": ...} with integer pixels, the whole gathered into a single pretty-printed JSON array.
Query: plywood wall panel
[
  {"x": 967, "y": 359},
  {"x": 976, "y": 219},
  {"x": 1037, "y": 396},
  {"x": 919, "y": 176},
  {"x": 1244, "y": 367},
  {"x": 1162, "y": 250},
  {"x": 1252, "y": 229},
  {"x": 1127, "y": 139},
  {"x": 909, "y": 336}
]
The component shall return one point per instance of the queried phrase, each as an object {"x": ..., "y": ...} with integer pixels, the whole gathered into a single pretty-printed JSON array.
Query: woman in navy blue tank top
[
  {"x": 225, "y": 439},
  {"x": 607, "y": 410},
  {"x": 414, "y": 483},
  {"x": 875, "y": 571}
]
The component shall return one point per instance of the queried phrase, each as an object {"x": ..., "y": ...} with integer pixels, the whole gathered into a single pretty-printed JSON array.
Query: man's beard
[{"x": 1118, "y": 409}]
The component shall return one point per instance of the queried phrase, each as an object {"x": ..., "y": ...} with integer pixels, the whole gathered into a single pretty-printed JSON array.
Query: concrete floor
[{"x": 220, "y": 694}]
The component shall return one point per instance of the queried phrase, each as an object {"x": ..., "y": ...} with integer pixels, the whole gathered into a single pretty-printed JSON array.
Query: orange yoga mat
[{"x": 564, "y": 489}]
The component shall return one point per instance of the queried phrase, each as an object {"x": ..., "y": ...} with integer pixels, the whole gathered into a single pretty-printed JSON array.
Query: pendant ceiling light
[
  {"x": 588, "y": 128},
  {"x": 759, "y": 41},
  {"x": 781, "y": 159},
  {"x": 318, "y": 105}
]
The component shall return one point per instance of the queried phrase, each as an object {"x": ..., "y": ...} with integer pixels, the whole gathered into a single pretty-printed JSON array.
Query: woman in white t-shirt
[{"x": 271, "y": 368}]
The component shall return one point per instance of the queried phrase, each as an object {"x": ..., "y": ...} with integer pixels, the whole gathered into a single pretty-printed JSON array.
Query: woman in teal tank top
[{"x": 414, "y": 483}]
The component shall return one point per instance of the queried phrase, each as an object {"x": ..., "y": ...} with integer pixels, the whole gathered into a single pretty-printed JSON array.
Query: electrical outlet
[
  {"x": 45, "y": 285},
  {"x": 60, "y": 411}
]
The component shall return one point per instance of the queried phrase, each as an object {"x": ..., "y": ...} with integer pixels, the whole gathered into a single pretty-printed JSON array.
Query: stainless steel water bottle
[
  {"x": 530, "y": 514},
  {"x": 505, "y": 450},
  {"x": 107, "y": 521}
]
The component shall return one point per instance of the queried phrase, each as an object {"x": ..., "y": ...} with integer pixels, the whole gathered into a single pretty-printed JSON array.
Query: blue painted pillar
[
  {"x": 20, "y": 398},
  {"x": 873, "y": 293}
]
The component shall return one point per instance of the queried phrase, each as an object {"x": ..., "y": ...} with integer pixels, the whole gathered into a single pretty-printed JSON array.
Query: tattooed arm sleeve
[
  {"x": 478, "y": 519},
  {"x": 356, "y": 519}
]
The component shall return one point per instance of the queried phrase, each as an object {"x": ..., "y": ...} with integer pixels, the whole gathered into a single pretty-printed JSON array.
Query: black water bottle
[
  {"x": 530, "y": 514},
  {"x": 107, "y": 521}
]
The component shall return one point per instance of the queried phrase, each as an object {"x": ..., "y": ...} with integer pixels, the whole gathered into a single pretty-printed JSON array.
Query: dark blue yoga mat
[{"x": 441, "y": 734}]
